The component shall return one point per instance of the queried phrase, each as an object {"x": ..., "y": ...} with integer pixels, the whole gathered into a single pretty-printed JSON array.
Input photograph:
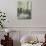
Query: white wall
[
  {"x": 38, "y": 14},
  {"x": 37, "y": 23}
]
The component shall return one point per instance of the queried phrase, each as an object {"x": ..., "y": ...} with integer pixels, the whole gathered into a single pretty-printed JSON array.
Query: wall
[
  {"x": 37, "y": 23},
  {"x": 38, "y": 14}
]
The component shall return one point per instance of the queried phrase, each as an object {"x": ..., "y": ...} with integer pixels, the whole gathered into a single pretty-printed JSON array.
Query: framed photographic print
[{"x": 24, "y": 9}]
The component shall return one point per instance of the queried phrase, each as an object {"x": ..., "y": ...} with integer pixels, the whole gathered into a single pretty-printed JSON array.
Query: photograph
[{"x": 24, "y": 9}]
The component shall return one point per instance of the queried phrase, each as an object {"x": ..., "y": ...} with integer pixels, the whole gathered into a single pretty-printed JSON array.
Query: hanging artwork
[{"x": 24, "y": 9}]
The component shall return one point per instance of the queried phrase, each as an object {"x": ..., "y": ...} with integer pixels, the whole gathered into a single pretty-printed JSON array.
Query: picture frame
[{"x": 24, "y": 9}]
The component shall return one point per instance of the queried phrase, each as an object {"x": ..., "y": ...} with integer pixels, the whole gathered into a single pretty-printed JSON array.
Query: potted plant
[{"x": 2, "y": 19}]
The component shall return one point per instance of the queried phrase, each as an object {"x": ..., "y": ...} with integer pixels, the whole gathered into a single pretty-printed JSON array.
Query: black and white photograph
[{"x": 24, "y": 9}]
